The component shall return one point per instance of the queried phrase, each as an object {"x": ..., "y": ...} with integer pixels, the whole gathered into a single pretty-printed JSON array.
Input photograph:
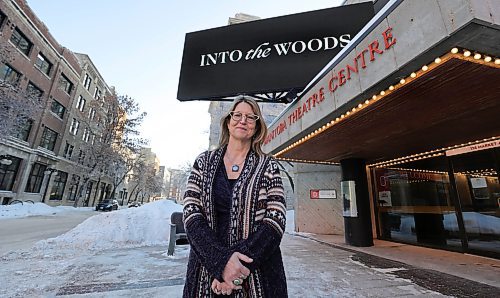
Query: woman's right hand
[{"x": 235, "y": 270}]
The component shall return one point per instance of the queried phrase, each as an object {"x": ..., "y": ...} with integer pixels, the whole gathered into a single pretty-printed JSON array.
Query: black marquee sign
[{"x": 275, "y": 55}]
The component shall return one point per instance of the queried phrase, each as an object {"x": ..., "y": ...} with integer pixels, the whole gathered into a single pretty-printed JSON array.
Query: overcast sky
[{"x": 137, "y": 47}]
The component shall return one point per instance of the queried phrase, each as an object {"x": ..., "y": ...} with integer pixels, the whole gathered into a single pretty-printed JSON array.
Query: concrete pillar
[
  {"x": 26, "y": 164},
  {"x": 358, "y": 230}
]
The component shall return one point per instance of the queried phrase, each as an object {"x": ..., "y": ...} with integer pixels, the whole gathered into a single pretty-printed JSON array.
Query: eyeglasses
[{"x": 237, "y": 116}]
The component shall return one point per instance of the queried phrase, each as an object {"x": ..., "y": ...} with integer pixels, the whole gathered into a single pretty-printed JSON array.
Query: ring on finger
[{"x": 237, "y": 282}]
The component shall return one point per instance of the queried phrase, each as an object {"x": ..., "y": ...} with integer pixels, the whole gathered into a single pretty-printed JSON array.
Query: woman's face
[{"x": 242, "y": 129}]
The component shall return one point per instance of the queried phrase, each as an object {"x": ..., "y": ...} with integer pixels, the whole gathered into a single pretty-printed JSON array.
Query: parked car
[
  {"x": 107, "y": 205},
  {"x": 134, "y": 204}
]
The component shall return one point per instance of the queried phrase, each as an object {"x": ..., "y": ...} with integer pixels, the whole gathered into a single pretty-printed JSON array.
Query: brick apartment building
[{"x": 37, "y": 164}]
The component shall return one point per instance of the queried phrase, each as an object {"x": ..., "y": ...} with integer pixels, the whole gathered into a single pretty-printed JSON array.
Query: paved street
[
  {"x": 313, "y": 270},
  {"x": 22, "y": 233}
]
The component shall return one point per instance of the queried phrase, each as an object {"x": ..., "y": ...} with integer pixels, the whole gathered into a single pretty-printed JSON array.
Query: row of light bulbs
[
  {"x": 477, "y": 56},
  {"x": 428, "y": 154},
  {"x": 454, "y": 53},
  {"x": 417, "y": 170},
  {"x": 308, "y": 161},
  {"x": 480, "y": 173}
]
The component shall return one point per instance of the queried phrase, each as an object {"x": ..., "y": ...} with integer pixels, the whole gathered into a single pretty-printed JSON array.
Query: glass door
[
  {"x": 478, "y": 190},
  {"x": 414, "y": 204}
]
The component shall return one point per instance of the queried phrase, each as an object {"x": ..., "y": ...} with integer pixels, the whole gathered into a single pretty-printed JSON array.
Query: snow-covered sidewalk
[{"x": 123, "y": 254}]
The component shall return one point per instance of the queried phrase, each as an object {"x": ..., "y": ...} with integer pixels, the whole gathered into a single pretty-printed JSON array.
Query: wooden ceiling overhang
[{"x": 453, "y": 100}]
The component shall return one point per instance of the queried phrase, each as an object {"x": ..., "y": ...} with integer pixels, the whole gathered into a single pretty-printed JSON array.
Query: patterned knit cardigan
[{"x": 257, "y": 224}]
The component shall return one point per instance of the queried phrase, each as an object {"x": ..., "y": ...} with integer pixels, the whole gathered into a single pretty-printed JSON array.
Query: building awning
[{"x": 453, "y": 100}]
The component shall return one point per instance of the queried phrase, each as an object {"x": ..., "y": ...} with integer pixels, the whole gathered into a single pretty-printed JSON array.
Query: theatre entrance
[{"x": 447, "y": 200}]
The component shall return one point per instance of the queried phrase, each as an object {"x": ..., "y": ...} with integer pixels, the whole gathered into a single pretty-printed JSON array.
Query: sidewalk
[
  {"x": 316, "y": 266},
  {"x": 476, "y": 268},
  {"x": 385, "y": 270}
]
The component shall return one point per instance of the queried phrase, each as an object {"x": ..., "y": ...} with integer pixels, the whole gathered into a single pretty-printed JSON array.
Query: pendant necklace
[{"x": 236, "y": 166}]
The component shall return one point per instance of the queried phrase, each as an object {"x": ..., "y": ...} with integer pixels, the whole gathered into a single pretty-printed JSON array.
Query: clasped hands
[{"x": 234, "y": 273}]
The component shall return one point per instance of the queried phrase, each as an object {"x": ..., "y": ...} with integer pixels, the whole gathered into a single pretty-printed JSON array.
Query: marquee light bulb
[
  {"x": 402, "y": 81},
  {"x": 437, "y": 60},
  {"x": 497, "y": 61},
  {"x": 413, "y": 75},
  {"x": 477, "y": 56},
  {"x": 454, "y": 50},
  {"x": 467, "y": 53}
]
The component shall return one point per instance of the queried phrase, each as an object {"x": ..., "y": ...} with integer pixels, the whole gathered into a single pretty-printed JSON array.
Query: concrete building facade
[{"x": 405, "y": 118}]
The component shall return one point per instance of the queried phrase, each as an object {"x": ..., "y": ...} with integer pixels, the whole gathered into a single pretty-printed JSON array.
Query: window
[
  {"x": 73, "y": 129},
  {"x": 81, "y": 157},
  {"x": 68, "y": 150},
  {"x": 65, "y": 84},
  {"x": 43, "y": 64},
  {"x": 97, "y": 93},
  {"x": 87, "y": 81},
  {"x": 49, "y": 138},
  {"x": 24, "y": 131},
  {"x": 80, "y": 103},
  {"x": 21, "y": 42},
  {"x": 86, "y": 134},
  {"x": 57, "y": 191},
  {"x": 36, "y": 177},
  {"x": 73, "y": 188},
  {"x": 8, "y": 173},
  {"x": 58, "y": 109},
  {"x": 33, "y": 91},
  {"x": 2, "y": 18},
  {"x": 91, "y": 113},
  {"x": 9, "y": 75}
]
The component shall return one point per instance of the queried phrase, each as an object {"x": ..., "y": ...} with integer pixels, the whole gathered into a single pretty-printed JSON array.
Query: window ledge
[
  {"x": 57, "y": 116},
  {"x": 46, "y": 75},
  {"x": 20, "y": 52}
]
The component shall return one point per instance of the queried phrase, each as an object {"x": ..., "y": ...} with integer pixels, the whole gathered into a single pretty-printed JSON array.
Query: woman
[{"x": 235, "y": 213}]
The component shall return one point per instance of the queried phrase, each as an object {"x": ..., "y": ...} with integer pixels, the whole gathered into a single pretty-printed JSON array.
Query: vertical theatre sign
[{"x": 270, "y": 55}]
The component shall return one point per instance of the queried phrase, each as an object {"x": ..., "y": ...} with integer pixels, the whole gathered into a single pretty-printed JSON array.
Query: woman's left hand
[{"x": 222, "y": 288}]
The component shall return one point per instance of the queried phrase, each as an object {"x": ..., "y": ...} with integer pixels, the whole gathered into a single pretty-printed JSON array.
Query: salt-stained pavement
[
  {"x": 313, "y": 270},
  {"x": 123, "y": 254}
]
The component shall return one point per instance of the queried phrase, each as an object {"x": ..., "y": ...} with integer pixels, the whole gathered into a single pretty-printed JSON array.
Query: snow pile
[
  {"x": 28, "y": 209},
  {"x": 147, "y": 225}
]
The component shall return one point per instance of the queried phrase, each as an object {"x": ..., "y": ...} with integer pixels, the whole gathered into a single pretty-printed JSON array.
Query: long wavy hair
[{"x": 260, "y": 125}]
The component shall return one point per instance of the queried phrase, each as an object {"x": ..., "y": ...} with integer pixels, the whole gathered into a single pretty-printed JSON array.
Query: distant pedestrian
[{"x": 235, "y": 213}]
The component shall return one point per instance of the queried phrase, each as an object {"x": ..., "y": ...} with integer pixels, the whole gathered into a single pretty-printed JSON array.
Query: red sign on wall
[{"x": 323, "y": 194}]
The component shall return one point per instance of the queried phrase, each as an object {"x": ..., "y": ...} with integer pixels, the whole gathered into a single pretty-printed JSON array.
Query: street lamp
[
  {"x": 5, "y": 160},
  {"x": 49, "y": 172}
]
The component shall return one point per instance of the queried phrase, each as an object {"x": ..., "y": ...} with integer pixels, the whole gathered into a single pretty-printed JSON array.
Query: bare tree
[
  {"x": 113, "y": 141},
  {"x": 146, "y": 182},
  {"x": 18, "y": 108}
]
